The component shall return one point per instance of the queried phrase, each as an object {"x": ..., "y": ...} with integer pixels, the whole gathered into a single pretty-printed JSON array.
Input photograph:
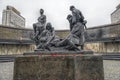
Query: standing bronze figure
[{"x": 77, "y": 26}]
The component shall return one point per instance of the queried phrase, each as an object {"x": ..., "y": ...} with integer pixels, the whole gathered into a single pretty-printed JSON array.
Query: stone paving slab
[
  {"x": 6, "y": 70},
  {"x": 112, "y": 69}
]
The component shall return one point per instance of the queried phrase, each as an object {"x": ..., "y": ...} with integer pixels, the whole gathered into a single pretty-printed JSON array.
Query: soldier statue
[
  {"x": 77, "y": 26},
  {"x": 46, "y": 39}
]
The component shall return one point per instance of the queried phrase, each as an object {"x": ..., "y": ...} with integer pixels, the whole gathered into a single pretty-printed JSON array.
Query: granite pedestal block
[{"x": 58, "y": 67}]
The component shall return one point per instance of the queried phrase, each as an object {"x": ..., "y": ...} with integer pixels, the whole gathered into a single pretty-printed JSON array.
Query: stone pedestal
[{"x": 59, "y": 67}]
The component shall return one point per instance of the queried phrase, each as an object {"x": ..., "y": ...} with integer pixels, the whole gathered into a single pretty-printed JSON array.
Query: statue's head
[
  {"x": 71, "y": 8},
  {"x": 41, "y": 11},
  {"x": 48, "y": 26},
  {"x": 69, "y": 17}
]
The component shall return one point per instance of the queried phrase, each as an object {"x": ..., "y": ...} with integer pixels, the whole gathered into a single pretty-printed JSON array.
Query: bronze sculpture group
[{"x": 45, "y": 38}]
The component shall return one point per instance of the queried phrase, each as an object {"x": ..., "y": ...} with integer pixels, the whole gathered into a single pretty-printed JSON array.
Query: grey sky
[{"x": 96, "y": 12}]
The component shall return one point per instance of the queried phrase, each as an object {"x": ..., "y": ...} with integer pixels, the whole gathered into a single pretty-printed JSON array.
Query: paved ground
[
  {"x": 111, "y": 70},
  {"x": 6, "y": 71}
]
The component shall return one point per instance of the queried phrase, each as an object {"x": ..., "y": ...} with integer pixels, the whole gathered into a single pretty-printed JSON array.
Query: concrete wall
[
  {"x": 103, "y": 47},
  {"x": 62, "y": 33},
  {"x": 7, "y": 32},
  {"x": 96, "y": 47},
  {"x": 15, "y": 40},
  {"x": 107, "y": 41},
  {"x": 104, "y": 38},
  {"x": 7, "y": 49}
]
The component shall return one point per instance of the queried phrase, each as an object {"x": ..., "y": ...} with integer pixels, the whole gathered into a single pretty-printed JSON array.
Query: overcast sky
[{"x": 96, "y": 12}]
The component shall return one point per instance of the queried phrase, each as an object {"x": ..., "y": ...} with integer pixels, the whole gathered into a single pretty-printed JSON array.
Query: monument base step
[{"x": 69, "y": 66}]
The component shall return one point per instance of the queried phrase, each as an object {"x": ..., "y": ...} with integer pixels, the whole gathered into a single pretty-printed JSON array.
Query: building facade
[
  {"x": 12, "y": 17},
  {"x": 115, "y": 16}
]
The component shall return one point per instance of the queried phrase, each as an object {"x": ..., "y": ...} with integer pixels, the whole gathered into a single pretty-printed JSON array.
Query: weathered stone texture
[
  {"x": 6, "y": 70},
  {"x": 109, "y": 47},
  {"x": 104, "y": 31},
  {"x": 112, "y": 47},
  {"x": 15, "y": 33},
  {"x": 69, "y": 67},
  {"x": 62, "y": 33},
  {"x": 95, "y": 47},
  {"x": 15, "y": 49},
  {"x": 111, "y": 70}
]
